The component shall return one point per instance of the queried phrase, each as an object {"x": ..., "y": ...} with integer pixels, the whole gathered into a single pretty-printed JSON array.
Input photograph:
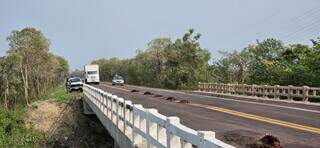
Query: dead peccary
[
  {"x": 267, "y": 141},
  {"x": 171, "y": 99},
  {"x": 147, "y": 93},
  {"x": 134, "y": 90}
]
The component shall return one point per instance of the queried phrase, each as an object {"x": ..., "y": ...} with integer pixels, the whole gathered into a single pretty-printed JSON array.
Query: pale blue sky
[{"x": 83, "y": 30}]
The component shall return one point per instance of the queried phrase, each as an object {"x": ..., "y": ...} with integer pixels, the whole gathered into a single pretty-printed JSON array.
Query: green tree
[
  {"x": 187, "y": 62},
  {"x": 265, "y": 54},
  {"x": 232, "y": 66},
  {"x": 29, "y": 69},
  {"x": 31, "y": 46}
]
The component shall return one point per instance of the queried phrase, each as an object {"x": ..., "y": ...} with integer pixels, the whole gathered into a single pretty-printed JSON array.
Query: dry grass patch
[{"x": 42, "y": 115}]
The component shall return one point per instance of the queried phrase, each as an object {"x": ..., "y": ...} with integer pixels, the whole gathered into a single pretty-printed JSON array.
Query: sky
[{"x": 85, "y": 30}]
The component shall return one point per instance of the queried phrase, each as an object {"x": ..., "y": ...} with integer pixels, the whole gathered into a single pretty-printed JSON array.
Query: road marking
[
  {"x": 228, "y": 99},
  {"x": 260, "y": 118},
  {"x": 249, "y": 116}
]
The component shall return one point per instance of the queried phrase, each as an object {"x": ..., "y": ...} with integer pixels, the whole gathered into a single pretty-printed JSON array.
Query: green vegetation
[
  {"x": 270, "y": 62},
  {"x": 13, "y": 132},
  {"x": 184, "y": 63},
  {"x": 29, "y": 72},
  {"x": 176, "y": 65},
  {"x": 59, "y": 94}
]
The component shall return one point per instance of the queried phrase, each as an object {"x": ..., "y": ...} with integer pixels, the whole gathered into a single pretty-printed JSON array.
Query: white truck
[{"x": 91, "y": 74}]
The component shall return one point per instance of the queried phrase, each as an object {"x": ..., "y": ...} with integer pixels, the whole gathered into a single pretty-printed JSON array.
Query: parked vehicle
[
  {"x": 91, "y": 74},
  {"x": 117, "y": 80},
  {"x": 74, "y": 84}
]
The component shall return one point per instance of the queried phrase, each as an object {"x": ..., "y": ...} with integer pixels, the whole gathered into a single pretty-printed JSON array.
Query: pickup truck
[{"x": 74, "y": 84}]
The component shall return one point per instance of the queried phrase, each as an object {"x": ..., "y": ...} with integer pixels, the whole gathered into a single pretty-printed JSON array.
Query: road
[{"x": 237, "y": 122}]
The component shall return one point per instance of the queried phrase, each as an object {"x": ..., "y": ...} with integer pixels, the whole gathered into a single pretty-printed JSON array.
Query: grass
[
  {"x": 59, "y": 94},
  {"x": 14, "y": 133}
]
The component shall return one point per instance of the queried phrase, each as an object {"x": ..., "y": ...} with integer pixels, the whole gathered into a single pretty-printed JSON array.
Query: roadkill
[
  {"x": 134, "y": 90},
  {"x": 171, "y": 99},
  {"x": 147, "y": 93},
  {"x": 267, "y": 141}
]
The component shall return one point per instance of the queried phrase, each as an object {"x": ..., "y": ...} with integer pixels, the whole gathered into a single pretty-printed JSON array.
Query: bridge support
[{"x": 86, "y": 108}]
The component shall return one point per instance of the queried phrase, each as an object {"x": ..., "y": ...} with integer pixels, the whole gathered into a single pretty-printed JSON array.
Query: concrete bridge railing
[
  {"x": 290, "y": 92},
  {"x": 132, "y": 125}
]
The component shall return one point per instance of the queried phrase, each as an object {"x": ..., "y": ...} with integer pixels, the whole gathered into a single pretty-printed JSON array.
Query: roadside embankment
[{"x": 56, "y": 120}]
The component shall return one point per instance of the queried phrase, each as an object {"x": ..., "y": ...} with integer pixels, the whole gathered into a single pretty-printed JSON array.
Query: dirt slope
[{"x": 65, "y": 126}]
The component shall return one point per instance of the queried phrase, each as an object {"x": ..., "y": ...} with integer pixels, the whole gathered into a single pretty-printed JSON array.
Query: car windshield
[
  {"x": 75, "y": 80},
  {"x": 91, "y": 72},
  {"x": 117, "y": 78}
]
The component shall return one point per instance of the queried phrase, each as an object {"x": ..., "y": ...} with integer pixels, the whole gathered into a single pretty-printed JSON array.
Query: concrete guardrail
[
  {"x": 132, "y": 125},
  {"x": 290, "y": 92}
]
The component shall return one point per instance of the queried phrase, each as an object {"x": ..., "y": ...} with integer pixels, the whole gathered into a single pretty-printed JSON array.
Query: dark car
[{"x": 74, "y": 84}]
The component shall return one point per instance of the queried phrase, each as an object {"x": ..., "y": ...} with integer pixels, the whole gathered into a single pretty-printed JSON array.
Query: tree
[
  {"x": 31, "y": 47},
  {"x": 264, "y": 55},
  {"x": 29, "y": 69},
  {"x": 232, "y": 66},
  {"x": 187, "y": 62}
]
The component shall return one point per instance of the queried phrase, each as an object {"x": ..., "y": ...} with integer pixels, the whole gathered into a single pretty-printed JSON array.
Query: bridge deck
[{"x": 239, "y": 120}]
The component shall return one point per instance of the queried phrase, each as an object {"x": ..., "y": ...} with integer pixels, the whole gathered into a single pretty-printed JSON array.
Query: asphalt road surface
[{"x": 235, "y": 121}]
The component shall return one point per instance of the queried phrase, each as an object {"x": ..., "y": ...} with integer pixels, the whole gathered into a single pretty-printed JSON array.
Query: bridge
[{"x": 216, "y": 115}]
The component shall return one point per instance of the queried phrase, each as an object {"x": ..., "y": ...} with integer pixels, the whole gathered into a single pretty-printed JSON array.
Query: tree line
[
  {"x": 183, "y": 63},
  {"x": 29, "y": 69},
  {"x": 271, "y": 62},
  {"x": 180, "y": 64}
]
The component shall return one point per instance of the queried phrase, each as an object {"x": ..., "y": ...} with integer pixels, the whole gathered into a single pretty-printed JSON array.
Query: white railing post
[
  {"x": 305, "y": 93},
  {"x": 98, "y": 99},
  {"x": 151, "y": 127},
  {"x": 253, "y": 90},
  {"x": 276, "y": 91},
  {"x": 136, "y": 138},
  {"x": 185, "y": 144},
  {"x": 265, "y": 91},
  {"x": 105, "y": 106},
  {"x": 161, "y": 135},
  {"x": 113, "y": 108},
  {"x": 203, "y": 135},
  {"x": 126, "y": 115},
  {"x": 290, "y": 92},
  {"x": 102, "y": 101},
  {"x": 228, "y": 90},
  {"x": 119, "y": 113},
  {"x": 173, "y": 141},
  {"x": 109, "y": 106}
]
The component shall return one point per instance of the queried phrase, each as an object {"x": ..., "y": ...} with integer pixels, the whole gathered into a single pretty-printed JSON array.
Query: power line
[
  {"x": 313, "y": 31},
  {"x": 290, "y": 30},
  {"x": 299, "y": 20},
  {"x": 306, "y": 13},
  {"x": 304, "y": 28}
]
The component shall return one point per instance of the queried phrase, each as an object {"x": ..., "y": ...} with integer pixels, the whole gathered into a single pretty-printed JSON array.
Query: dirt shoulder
[{"x": 65, "y": 125}]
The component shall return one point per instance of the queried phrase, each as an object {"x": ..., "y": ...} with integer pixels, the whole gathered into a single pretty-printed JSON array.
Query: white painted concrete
[{"x": 132, "y": 125}]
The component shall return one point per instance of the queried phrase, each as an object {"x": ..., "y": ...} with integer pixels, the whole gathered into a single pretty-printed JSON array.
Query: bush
[{"x": 13, "y": 132}]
